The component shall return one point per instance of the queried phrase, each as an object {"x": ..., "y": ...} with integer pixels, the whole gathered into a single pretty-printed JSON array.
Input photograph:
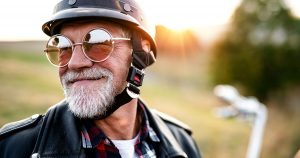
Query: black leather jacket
[{"x": 55, "y": 134}]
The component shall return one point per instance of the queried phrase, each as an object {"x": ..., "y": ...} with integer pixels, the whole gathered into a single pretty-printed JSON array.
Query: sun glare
[
  {"x": 181, "y": 15},
  {"x": 25, "y": 23}
]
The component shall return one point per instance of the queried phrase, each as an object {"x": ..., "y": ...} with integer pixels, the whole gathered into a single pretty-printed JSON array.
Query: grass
[
  {"x": 179, "y": 88},
  {"x": 28, "y": 85}
]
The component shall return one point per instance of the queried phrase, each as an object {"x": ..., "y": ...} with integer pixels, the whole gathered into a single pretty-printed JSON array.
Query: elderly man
[{"x": 101, "y": 48}]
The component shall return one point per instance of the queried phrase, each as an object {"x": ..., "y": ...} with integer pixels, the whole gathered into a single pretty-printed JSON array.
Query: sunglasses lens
[
  {"x": 59, "y": 50},
  {"x": 98, "y": 45}
]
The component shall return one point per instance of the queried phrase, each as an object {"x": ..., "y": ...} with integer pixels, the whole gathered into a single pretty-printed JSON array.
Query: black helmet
[{"x": 124, "y": 12}]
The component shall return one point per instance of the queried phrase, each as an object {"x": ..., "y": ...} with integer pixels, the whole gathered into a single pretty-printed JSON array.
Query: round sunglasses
[{"x": 97, "y": 45}]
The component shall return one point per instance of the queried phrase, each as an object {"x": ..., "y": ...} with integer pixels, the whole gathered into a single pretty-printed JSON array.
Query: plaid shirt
[{"x": 97, "y": 144}]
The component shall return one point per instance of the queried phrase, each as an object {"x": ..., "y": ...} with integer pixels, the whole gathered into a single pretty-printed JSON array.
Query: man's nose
[{"x": 78, "y": 59}]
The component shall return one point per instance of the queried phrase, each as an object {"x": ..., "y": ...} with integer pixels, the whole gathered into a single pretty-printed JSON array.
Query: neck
[{"x": 123, "y": 124}]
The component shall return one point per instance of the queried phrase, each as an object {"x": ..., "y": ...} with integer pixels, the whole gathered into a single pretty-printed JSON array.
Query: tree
[{"x": 260, "y": 50}]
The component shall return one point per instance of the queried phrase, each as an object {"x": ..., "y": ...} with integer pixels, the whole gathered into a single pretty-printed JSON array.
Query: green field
[{"x": 179, "y": 87}]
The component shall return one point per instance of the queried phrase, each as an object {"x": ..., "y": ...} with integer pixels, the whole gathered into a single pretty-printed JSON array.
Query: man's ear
[{"x": 146, "y": 45}]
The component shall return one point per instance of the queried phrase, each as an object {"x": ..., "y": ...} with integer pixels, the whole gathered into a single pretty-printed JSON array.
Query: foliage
[{"x": 260, "y": 49}]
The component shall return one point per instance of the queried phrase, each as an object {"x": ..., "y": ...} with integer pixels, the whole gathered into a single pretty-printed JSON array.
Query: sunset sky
[{"x": 22, "y": 20}]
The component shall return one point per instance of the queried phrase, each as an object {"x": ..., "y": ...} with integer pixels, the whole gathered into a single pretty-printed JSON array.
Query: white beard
[{"x": 88, "y": 101}]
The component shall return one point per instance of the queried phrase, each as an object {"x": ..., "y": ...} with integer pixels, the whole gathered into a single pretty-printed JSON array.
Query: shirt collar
[
  {"x": 91, "y": 135},
  {"x": 146, "y": 130}
]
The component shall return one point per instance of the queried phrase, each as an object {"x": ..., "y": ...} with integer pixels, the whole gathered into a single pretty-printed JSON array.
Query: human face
[{"x": 90, "y": 87}]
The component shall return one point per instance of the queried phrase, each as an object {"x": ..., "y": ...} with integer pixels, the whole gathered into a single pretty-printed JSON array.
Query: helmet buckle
[
  {"x": 72, "y": 2},
  {"x": 127, "y": 7}
]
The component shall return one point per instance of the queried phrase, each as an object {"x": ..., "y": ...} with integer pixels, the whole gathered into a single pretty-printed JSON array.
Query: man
[{"x": 101, "y": 48}]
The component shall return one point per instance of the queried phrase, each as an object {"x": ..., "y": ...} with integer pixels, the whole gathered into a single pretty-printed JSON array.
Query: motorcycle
[{"x": 248, "y": 108}]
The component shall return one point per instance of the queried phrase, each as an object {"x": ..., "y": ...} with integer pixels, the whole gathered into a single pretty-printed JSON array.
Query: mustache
[{"x": 86, "y": 74}]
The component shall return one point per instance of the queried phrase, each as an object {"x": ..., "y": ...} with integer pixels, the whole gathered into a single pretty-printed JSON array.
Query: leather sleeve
[{"x": 19, "y": 142}]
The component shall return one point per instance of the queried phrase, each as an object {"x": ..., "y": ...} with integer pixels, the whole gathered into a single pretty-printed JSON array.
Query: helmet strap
[
  {"x": 135, "y": 79},
  {"x": 131, "y": 91}
]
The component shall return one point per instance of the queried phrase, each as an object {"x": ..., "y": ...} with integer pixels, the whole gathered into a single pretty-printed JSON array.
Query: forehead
[{"x": 87, "y": 25}]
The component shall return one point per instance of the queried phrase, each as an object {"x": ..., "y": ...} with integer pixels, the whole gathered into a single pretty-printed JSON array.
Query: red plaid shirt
[{"x": 97, "y": 144}]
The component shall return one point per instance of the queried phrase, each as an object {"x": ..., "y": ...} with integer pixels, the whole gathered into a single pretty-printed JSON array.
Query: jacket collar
[
  {"x": 168, "y": 144},
  {"x": 65, "y": 139},
  {"x": 59, "y": 136}
]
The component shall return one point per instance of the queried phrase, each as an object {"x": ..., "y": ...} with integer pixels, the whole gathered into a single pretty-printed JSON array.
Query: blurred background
[{"x": 253, "y": 45}]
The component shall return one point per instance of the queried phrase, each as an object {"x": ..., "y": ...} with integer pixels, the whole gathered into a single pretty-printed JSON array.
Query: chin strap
[{"x": 135, "y": 79}]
